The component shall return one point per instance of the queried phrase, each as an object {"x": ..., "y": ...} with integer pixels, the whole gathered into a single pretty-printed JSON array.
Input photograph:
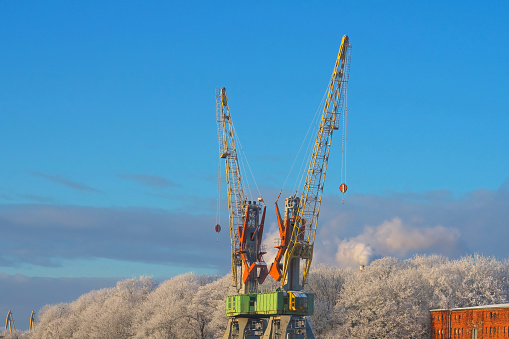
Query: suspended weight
[
  {"x": 217, "y": 228},
  {"x": 343, "y": 188}
]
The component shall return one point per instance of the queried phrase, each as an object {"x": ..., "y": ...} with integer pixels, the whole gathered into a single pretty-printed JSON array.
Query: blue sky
[{"x": 108, "y": 133}]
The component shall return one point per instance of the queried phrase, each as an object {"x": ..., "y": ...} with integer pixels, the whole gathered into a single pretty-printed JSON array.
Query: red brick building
[{"x": 480, "y": 322}]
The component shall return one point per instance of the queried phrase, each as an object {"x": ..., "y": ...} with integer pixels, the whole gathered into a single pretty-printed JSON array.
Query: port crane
[
  {"x": 298, "y": 229},
  {"x": 31, "y": 328},
  {"x": 9, "y": 324},
  {"x": 284, "y": 312},
  {"x": 246, "y": 228}
]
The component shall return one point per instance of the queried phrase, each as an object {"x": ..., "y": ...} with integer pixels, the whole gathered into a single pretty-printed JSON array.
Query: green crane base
[
  {"x": 276, "y": 315},
  {"x": 270, "y": 304}
]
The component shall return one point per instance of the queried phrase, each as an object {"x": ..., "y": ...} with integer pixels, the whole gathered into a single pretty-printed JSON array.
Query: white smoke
[
  {"x": 393, "y": 238},
  {"x": 351, "y": 252},
  {"x": 269, "y": 241}
]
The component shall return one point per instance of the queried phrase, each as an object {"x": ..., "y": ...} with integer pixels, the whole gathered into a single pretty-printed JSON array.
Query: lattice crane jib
[
  {"x": 302, "y": 237},
  {"x": 244, "y": 216}
]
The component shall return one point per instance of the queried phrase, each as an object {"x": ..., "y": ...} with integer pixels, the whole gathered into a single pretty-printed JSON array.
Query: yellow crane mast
[
  {"x": 246, "y": 229},
  {"x": 303, "y": 231}
]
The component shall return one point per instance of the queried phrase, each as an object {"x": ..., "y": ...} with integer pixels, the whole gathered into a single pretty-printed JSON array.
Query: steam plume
[
  {"x": 392, "y": 238},
  {"x": 352, "y": 252}
]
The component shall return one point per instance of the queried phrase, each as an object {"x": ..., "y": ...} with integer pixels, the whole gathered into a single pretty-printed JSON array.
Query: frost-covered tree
[
  {"x": 326, "y": 283},
  {"x": 469, "y": 281},
  {"x": 208, "y": 308},
  {"x": 105, "y": 313},
  {"x": 58, "y": 321},
  {"x": 391, "y": 298},
  {"x": 165, "y": 313},
  {"x": 382, "y": 302}
]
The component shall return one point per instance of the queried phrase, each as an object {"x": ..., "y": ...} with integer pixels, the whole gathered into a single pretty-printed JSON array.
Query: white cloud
[
  {"x": 44, "y": 235},
  {"x": 394, "y": 238},
  {"x": 399, "y": 225}
]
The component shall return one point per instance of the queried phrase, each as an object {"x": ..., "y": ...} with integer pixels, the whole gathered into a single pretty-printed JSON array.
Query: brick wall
[{"x": 463, "y": 323}]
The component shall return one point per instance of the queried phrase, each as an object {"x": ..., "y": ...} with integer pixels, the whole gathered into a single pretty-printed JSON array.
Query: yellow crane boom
[
  {"x": 302, "y": 238},
  {"x": 235, "y": 191},
  {"x": 246, "y": 229}
]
